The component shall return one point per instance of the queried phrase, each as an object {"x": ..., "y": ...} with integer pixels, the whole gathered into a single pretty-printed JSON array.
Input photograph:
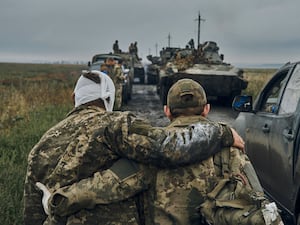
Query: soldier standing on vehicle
[
  {"x": 131, "y": 48},
  {"x": 191, "y": 44},
  {"x": 116, "y": 47},
  {"x": 135, "y": 48},
  {"x": 90, "y": 139}
]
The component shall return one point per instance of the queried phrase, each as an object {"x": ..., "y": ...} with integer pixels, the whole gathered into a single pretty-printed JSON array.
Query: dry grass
[
  {"x": 257, "y": 78},
  {"x": 24, "y": 89}
]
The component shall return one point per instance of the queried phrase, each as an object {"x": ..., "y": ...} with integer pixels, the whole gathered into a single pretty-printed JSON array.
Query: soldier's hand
[
  {"x": 237, "y": 140},
  {"x": 46, "y": 196}
]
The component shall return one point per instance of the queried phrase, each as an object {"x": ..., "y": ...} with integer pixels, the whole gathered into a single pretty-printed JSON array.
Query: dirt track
[{"x": 145, "y": 103}]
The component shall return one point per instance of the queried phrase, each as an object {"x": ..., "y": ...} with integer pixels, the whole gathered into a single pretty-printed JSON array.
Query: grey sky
[{"x": 265, "y": 31}]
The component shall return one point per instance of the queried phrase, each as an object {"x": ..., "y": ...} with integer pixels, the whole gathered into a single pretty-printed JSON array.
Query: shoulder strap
[{"x": 225, "y": 160}]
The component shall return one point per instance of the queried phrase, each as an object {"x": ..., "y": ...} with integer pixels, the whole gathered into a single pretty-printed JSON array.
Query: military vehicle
[
  {"x": 205, "y": 65},
  {"x": 157, "y": 62},
  {"x": 139, "y": 71},
  {"x": 152, "y": 70},
  {"x": 128, "y": 63}
]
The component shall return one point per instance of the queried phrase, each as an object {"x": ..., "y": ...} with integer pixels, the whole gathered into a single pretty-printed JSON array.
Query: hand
[
  {"x": 237, "y": 140},
  {"x": 46, "y": 196}
]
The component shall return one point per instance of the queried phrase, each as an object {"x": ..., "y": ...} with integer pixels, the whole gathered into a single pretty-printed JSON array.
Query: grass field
[{"x": 33, "y": 98}]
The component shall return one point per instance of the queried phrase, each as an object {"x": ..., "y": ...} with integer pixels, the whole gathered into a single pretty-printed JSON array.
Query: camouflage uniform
[
  {"x": 226, "y": 185},
  {"x": 90, "y": 140},
  {"x": 118, "y": 79},
  {"x": 116, "y": 74},
  {"x": 179, "y": 192}
]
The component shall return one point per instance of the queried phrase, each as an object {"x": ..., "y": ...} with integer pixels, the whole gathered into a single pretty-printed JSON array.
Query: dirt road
[{"x": 146, "y": 104}]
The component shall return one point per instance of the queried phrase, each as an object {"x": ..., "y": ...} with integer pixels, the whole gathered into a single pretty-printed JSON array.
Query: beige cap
[{"x": 184, "y": 87}]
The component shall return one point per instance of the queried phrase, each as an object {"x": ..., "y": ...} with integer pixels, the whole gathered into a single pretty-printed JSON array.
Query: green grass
[
  {"x": 33, "y": 98},
  {"x": 14, "y": 149}
]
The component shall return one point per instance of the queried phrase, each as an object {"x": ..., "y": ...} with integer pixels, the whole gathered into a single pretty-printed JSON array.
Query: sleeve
[
  {"x": 33, "y": 210},
  {"x": 139, "y": 141},
  {"x": 123, "y": 180}
]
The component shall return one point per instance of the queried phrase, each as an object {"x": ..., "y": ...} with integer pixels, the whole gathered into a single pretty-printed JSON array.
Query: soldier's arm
[
  {"x": 123, "y": 180},
  {"x": 138, "y": 140},
  {"x": 33, "y": 210}
]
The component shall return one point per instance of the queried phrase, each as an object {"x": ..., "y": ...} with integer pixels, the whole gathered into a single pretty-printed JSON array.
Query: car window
[
  {"x": 271, "y": 99},
  {"x": 292, "y": 93}
]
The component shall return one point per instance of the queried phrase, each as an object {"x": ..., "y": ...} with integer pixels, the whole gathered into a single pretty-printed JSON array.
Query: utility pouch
[{"x": 124, "y": 168}]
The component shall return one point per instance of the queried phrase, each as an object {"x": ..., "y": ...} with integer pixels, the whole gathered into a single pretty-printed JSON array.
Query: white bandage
[
  {"x": 87, "y": 90},
  {"x": 270, "y": 213}
]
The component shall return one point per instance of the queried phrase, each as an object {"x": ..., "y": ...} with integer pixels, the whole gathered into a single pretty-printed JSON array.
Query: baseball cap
[{"x": 182, "y": 88}]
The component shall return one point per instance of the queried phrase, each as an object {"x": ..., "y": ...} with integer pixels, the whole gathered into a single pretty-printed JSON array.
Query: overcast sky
[{"x": 247, "y": 31}]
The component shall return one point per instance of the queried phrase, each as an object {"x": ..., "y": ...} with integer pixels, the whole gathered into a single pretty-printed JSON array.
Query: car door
[
  {"x": 282, "y": 142},
  {"x": 260, "y": 129}
]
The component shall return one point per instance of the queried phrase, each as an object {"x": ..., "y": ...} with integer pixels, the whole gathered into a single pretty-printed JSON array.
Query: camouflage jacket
[
  {"x": 225, "y": 185},
  {"x": 116, "y": 74},
  {"x": 90, "y": 140},
  {"x": 178, "y": 192},
  {"x": 223, "y": 189}
]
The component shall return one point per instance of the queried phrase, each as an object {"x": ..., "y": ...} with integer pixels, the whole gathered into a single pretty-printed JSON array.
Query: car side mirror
[{"x": 242, "y": 103}]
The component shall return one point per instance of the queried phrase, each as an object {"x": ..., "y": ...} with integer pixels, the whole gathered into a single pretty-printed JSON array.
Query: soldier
[
  {"x": 116, "y": 47},
  {"x": 91, "y": 138},
  {"x": 114, "y": 71},
  {"x": 135, "y": 48},
  {"x": 118, "y": 79},
  {"x": 191, "y": 43},
  {"x": 226, "y": 185},
  {"x": 131, "y": 49}
]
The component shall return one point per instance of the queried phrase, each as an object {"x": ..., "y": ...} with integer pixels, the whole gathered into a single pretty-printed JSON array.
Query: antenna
[
  {"x": 199, "y": 19},
  {"x": 169, "y": 40}
]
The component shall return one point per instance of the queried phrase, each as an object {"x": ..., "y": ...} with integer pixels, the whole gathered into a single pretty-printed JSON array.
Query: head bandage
[{"x": 87, "y": 90}]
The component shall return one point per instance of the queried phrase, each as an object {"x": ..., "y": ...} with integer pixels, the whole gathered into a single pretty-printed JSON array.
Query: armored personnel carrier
[
  {"x": 204, "y": 65},
  {"x": 152, "y": 70},
  {"x": 139, "y": 71}
]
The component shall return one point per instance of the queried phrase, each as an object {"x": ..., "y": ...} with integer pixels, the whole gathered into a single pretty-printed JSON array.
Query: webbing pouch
[{"x": 124, "y": 168}]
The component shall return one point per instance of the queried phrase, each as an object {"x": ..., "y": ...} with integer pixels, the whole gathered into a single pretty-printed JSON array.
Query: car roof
[{"x": 98, "y": 57}]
